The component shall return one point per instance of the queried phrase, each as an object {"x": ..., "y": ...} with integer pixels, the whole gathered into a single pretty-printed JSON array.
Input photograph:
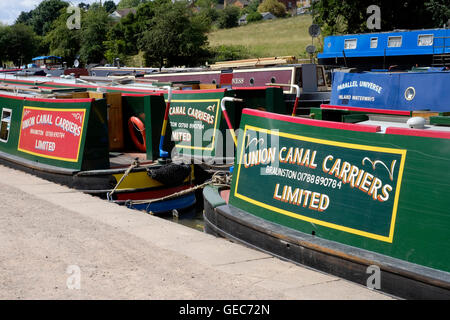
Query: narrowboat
[
  {"x": 79, "y": 139},
  {"x": 194, "y": 112},
  {"x": 363, "y": 199},
  {"x": 403, "y": 49},
  {"x": 418, "y": 89},
  {"x": 310, "y": 79}
]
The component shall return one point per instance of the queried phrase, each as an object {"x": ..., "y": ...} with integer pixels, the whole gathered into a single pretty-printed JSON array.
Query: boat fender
[
  {"x": 136, "y": 123},
  {"x": 171, "y": 175},
  {"x": 416, "y": 123}
]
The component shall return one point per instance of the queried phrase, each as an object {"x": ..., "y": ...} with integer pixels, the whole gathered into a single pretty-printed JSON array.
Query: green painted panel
[
  {"x": 47, "y": 132},
  {"x": 198, "y": 125},
  {"x": 387, "y": 193}
]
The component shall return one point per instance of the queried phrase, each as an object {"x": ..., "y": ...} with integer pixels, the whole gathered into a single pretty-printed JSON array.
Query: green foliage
[
  {"x": 252, "y": 7},
  {"x": 254, "y": 16},
  {"x": 347, "y": 16},
  {"x": 18, "y": 43},
  {"x": 275, "y": 7},
  {"x": 124, "y": 4},
  {"x": 61, "y": 41},
  {"x": 228, "y": 17},
  {"x": 440, "y": 12},
  {"x": 109, "y": 6},
  {"x": 122, "y": 39},
  {"x": 227, "y": 53},
  {"x": 174, "y": 37},
  {"x": 44, "y": 14},
  {"x": 24, "y": 17},
  {"x": 94, "y": 28}
]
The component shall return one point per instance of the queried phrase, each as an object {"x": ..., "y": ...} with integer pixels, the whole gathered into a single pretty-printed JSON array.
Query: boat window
[
  {"x": 214, "y": 81},
  {"x": 5, "y": 124},
  {"x": 425, "y": 40},
  {"x": 373, "y": 42},
  {"x": 273, "y": 80},
  {"x": 298, "y": 76},
  {"x": 320, "y": 79},
  {"x": 350, "y": 44},
  {"x": 252, "y": 81},
  {"x": 395, "y": 42}
]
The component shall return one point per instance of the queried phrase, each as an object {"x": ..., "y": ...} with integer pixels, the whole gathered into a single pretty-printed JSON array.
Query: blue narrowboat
[
  {"x": 427, "y": 90},
  {"x": 401, "y": 48}
]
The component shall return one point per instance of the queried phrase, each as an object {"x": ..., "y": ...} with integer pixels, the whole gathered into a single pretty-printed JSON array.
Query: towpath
[{"x": 57, "y": 243}]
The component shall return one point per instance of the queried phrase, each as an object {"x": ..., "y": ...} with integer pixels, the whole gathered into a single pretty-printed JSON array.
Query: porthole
[
  {"x": 252, "y": 81},
  {"x": 273, "y": 80}
]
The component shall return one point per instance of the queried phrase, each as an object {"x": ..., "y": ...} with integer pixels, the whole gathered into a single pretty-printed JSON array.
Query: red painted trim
[
  {"x": 418, "y": 132},
  {"x": 198, "y": 91},
  {"x": 372, "y": 110},
  {"x": 312, "y": 122},
  {"x": 141, "y": 94},
  {"x": 60, "y": 100},
  {"x": 253, "y": 88},
  {"x": 12, "y": 97}
]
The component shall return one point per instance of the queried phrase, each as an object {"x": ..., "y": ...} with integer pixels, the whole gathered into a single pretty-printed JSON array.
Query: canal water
[{"x": 192, "y": 218}]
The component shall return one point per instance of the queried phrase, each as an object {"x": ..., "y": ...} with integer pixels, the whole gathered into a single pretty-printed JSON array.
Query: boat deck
[{"x": 124, "y": 159}]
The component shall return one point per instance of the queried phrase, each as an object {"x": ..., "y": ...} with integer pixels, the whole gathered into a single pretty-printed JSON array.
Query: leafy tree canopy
[
  {"x": 123, "y": 4},
  {"x": 43, "y": 15},
  {"x": 175, "y": 37},
  {"x": 348, "y": 16}
]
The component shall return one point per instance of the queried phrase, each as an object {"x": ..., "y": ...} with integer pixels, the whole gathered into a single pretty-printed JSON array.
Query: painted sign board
[
  {"x": 52, "y": 133},
  {"x": 394, "y": 91},
  {"x": 344, "y": 186},
  {"x": 190, "y": 119}
]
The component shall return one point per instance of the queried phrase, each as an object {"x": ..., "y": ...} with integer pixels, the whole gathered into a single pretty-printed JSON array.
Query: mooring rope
[
  {"x": 219, "y": 179},
  {"x": 133, "y": 165}
]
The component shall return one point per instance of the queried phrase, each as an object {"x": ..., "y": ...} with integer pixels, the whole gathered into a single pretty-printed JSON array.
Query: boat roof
[{"x": 45, "y": 57}]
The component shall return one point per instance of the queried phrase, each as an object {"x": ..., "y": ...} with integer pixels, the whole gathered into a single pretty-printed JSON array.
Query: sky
[{"x": 10, "y": 9}]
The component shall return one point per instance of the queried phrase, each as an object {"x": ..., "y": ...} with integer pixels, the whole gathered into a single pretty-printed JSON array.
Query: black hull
[{"x": 398, "y": 278}]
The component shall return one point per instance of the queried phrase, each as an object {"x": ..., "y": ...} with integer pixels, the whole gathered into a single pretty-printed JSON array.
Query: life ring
[{"x": 134, "y": 123}]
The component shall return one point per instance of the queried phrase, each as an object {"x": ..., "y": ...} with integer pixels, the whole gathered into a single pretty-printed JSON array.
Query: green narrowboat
[
  {"x": 79, "y": 139},
  {"x": 364, "y": 199}
]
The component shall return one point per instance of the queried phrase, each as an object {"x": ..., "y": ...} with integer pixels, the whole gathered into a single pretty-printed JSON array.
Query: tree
[
  {"x": 440, "y": 12},
  {"x": 44, "y": 14},
  {"x": 274, "y": 7},
  {"x": 228, "y": 17},
  {"x": 94, "y": 28},
  {"x": 123, "y": 4},
  {"x": 252, "y": 6},
  {"x": 347, "y": 16},
  {"x": 109, "y": 6},
  {"x": 84, "y": 6},
  {"x": 175, "y": 38},
  {"x": 22, "y": 43},
  {"x": 254, "y": 16},
  {"x": 24, "y": 17},
  {"x": 122, "y": 39},
  {"x": 61, "y": 41}
]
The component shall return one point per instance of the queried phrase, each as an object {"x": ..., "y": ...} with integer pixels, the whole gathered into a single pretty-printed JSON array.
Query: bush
[
  {"x": 228, "y": 17},
  {"x": 274, "y": 7},
  {"x": 254, "y": 16},
  {"x": 227, "y": 53}
]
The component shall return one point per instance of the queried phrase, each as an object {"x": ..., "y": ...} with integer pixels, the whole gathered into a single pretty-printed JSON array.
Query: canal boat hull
[{"x": 311, "y": 210}]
